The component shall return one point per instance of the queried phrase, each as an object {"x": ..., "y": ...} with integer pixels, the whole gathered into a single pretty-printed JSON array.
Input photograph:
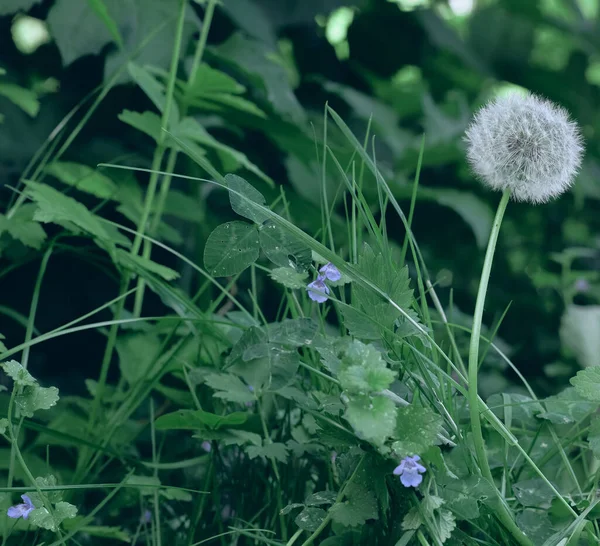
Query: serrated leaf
[
  {"x": 566, "y": 407},
  {"x": 310, "y": 518},
  {"x": 83, "y": 178},
  {"x": 363, "y": 370},
  {"x": 229, "y": 387},
  {"x": 231, "y": 248},
  {"x": 23, "y": 228},
  {"x": 322, "y": 497},
  {"x": 18, "y": 374},
  {"x": 146, "y": 122},
  {"x": 274, "y": 451},
  {"x": 534, "y": 492},
  {"x": 242, "y": 204},
  {"x": 360, "y": 505},
  {"x": 587, "y": 384},
  {"x": 373, "y": 419},
  {"x": 40, "y": 517},
  {"x": 417, "y": 429},
  {"x": 290, "y": 278},
  {"x": 282, "y": 248},
  {"x": 447, "y": 524},
  {"x": 412, "y": 520},
  {"x": 49, "y": 481},
  {"x": 198, "y": 419},
  {"x": 34, "y": 398}
]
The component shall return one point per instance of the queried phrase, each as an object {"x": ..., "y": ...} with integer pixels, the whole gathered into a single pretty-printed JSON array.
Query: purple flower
[
  {"x": 146, "y": 516},
  {"x": 21, "y": 510},
  {"x": 582, "y": 285},
  {"x": 330, "y": 272},
  {"x": 318, "y": 290},
  {"x": 206, "y": 446},
  {"x": 410, "y": 471}
]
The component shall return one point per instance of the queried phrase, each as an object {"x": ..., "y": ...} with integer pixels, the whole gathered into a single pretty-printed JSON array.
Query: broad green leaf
[
  {"x": 257, "y": 372},
  {"x": 289, "y": 277},
  {"x": 534, "y": 492},
  {"x": 363, "y": 370},
  {"x": 360, "y": 505},
  {"x": 373, "y": 419},
  {"x": 23, "y": 228},
  {"x": 137, "y": 354},
  {"x": 282, "y": 248},
  {"x": 293, "y": 332},
  {"x": 274, "y": 451},
  {"x": 83, "y": 178},
  {"x": 208, "y": 80},
  {"x": 416, "y": 429},
  {"x": 18, "y": 374},
  {"x": 55, "y": 207},
  {"x": 34, "y": 397},
  {"x": 462, "y": 496},
  {"x": 47, "y": 482},
  {"x": 229, "y": 387},
  {"x": 198, "y": 419},
  {"x": 231, "y": 248},
  {"x": 102, "y": 12},
  {"x": 566, "y": 407},
  {"x": 580, "y": 333},
  {"x": 40, "y": 517},
  {"x": 25, "y": 99},
  {"x": 182, "y": 206},
  {"x": 363, "y": 326},
  {"x": 587, "y": 384},
  {"x": 320, "y": 498},
  {"x": 446, "y": 524},
  {"x": 310, "y": 518},
  {"x": 154, "y": 90},
  {"x": 242, "y": 204},
  {"x": 142, "y": 266},
  {"x": 284, "y": 365},
  {"x": 12, "y": 6},
  {"x": 536, "y": 524},
  {"x": 146, "y": 122}
]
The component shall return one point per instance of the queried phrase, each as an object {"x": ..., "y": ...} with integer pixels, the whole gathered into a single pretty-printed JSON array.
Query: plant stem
[{"x": 503, "y": 513}]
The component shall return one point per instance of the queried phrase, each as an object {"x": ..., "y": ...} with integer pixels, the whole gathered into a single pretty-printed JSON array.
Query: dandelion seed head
[{"x": 526, "y": 144}]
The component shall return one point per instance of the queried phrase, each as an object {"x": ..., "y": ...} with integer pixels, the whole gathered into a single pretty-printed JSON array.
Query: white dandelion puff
[{"x": 525, "y": 144}]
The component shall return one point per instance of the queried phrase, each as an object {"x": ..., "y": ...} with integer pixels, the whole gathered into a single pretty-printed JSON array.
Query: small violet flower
[
  {"x": 206, "y": 446},
  {"x": 21, "y": 510},
  {"x": 330, "y": 272},
  {"x": 410, "y": 471},
  {"x": 318, "y": 290}
]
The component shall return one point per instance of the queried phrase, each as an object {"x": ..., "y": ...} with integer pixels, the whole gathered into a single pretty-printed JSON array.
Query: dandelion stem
[{"x": 503, "y": 512}]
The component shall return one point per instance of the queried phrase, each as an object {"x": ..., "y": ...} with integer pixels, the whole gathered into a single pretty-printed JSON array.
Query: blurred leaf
[
  {"x": 137, "y": 354},
  {"x": 587, "y": 383},
  {"x": 417, "y": 429},
  {"x": 580, "y": 333},
  {"x": 25, "y": 99},
  {"x": 141, "y": 266},
  {"x": 23, "y": 228},
  {"x": 146, "y": 122},
  {"x": 289, "y": 277},
  {"x": 566, "y": 407},
  {"x": 99, "y": 531},
  {"x": 310, "y": 518},
  {"x": 240, "y": 204},
  {"x": 12, "y": 6},
  {"x": 102, "y": 12},
  {"x": 83, "y": 178},
  {"x": 535, "y": 493},
  {"x": 154, "y": 90},
  {"x": 231, "y": 248},
  {"x": 360, "y": 505},
  {"x": 594, "y": 436},
  {"x": 198, "y": 419},
  {"x": 373, "y": 418},
  {"x": 40, "y": 517}
]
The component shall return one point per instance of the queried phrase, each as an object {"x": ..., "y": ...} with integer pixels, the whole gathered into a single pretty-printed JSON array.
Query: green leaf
[
  {"x": 416, "y": 429},
  {"x": 275, "y": 451},
  {"x": 172, "y": 493},
  {"x": 25, "y": 99},
  {"x": 242, "y": 204},
  {"x": 102, "y": 12},
  {"x": 147, "y": 484},
  {"x": 534, "y": 492},
  {"x": 154, "y": 90},
  {"x": 462, "y": 496},
  {"x": 231, "y": 248},
  {"x": 587, "y": 384},
  {"x": 322, "y": 497},
  {"x": 3, "y": 425},
  {"x": 23, "y": 228},
  {"x": 360, "y": 505},
  {"x": 146, "y": 122},
  {"x": 566, "y": 407},
  {"x": 289, "y": 277},
  {"x": 282, "y": 248},
  {"x": 138, "y": 353},
  {"x": 363, "y": 370},
  {"x": 293, "y": 332},
  {"x": 12, "y": 6},
  {"x": 40, "y": 517},
  {"x": 55, "y": 207},
  {"x": 198, "y": 419},
  {"x": 372, "y": 418},
  {"x": 34, "y": 398},
  {"x": 18, "y": 374},
  {"x": 593, "y": 436},
  {"x": 49, "y": 481},
  {"x": 310, "y": 518},
  {"x": 229, "y": 387},
  {"x": 208, "y": 80},
  {"x": 536, "y": 524},
  {"x": 580, "y": 333},
  {"x": 446, "y": 524},
  {"x": 99, "y": 531},
  {"x": 83, "y": 178}
]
